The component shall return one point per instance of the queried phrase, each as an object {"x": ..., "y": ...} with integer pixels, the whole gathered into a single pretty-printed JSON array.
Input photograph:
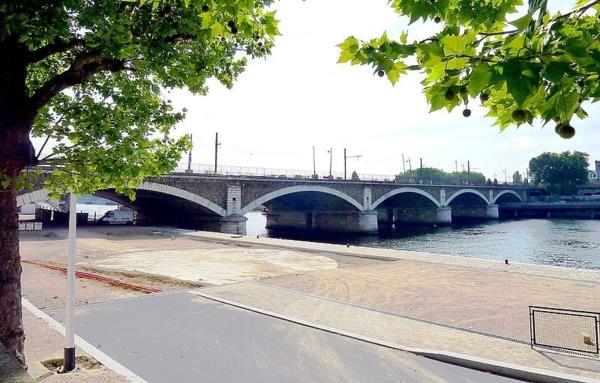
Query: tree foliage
[
  {"x": 517, "y": 178},
  {"x": 438, "y": 176},
  {"x": 559, "y": 173},
  {"x": 96, "y": 77},
  {"x": 91, "y": 78},
  {"x": 518, "y": 66}
]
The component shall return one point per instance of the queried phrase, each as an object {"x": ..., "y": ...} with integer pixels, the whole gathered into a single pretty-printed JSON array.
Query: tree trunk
[
  {"x": 11, "y": 326},
  {"x": 16, "y": 152},
  {"x": 12, "y": 162}
]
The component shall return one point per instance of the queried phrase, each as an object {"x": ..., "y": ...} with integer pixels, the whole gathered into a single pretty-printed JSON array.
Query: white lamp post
[{"x": 69, "y": 363}]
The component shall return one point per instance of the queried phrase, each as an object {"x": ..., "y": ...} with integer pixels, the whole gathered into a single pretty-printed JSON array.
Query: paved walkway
[
  {"x": 478, "y": 299},
  {"x": 11, "y": 371},
  {"x": 396, "y": 329}
]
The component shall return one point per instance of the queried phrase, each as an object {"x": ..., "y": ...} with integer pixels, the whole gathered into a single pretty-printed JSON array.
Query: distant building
[{"x": 594, "y": 175}]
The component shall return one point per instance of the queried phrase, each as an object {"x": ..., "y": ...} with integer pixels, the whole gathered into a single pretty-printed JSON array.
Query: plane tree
[
  {"x": 559, "y": 173},
  {"x": 91, "y": 79},
  {"x": 520, "y": 61}
]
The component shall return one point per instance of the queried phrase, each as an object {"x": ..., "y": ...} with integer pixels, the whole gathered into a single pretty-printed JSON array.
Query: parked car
[{"x": 117, "y": 217}]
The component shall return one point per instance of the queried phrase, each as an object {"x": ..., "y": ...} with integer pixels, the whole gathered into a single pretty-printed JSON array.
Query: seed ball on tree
[
  {"x": 205, "y": 8},
  {"x": 380, "y": 73},
  {"x": 437, "y": 19},
  {"x": 566, "y": 131},
  {"x": 230, "y": 24},
  {"x": 557, "y": 127},
  {"x": 467, "y": 112},
  {"x": 519, "y": 115},
  {"x": 449, "y": 95},
  {"x": 234, "y": 30},
  {"x": 484, "y": 97}
]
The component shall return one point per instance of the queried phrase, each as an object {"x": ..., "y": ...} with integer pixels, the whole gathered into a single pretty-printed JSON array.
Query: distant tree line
[{"x": 439, "y": 176}]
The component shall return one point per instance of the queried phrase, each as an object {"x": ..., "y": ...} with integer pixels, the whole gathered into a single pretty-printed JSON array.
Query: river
[{"x": 558, "y": 242}]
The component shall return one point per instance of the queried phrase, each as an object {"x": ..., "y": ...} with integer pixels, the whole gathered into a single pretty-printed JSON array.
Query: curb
[
  {"x": 509, "y": 370},
  {"x": 101, "y": 357}
]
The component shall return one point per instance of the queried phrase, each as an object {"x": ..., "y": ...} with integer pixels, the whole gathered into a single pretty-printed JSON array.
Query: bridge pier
[
  {"x": 385, "y": 217},
  {"x": 476, "y": 212},
  {"x": 324, "y": 221},
  {"x": 423, "y": 215},
  {"x": 233, "y": 224}
]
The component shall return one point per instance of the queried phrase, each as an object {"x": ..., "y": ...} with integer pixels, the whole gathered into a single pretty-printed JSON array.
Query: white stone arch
[
  {"x": 32, "y": 197},
  {"x": 183, "y": 194},
  {"x": 465, "y": 191},
  {"x": 42, "y": 196},
  {"x": 394, "y": 192},
  {"x": 508, "y": 192},
  {"x": 297, "y": 189}
]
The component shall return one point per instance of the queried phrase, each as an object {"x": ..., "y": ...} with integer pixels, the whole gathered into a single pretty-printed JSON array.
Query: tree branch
[
  {"x": 581, "y": 10},
  {"x": 84, "y": 66},
  {"x": 57, "y": 46},
  {"x": 43, "y": 146}
]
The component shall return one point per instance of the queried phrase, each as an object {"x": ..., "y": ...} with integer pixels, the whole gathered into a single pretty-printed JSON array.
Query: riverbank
[{"x": 454, "y": 304}]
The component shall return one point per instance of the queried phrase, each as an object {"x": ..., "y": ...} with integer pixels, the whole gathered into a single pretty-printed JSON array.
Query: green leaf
[
  {"x": 216, "y": 30},
  {"x": 454, "y": 45},
  {"x": 556, "y": 70},
  {"x": 479, "y": 80},
  {"x": 457, "y": 63},
  {"x": 522, "y": 23},
  {"x": 403, "y": 37}
]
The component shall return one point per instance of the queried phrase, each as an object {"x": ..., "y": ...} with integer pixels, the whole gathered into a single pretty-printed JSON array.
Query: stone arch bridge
[{"x": 220, "y": 203}]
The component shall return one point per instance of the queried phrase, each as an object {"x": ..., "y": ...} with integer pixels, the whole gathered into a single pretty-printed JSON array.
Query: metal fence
[
  {"x": 247, "y": 171},
  {"x": 571, "y": 332}
]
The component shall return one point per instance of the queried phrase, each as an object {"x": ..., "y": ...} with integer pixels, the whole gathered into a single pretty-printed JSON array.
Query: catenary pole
[
  {"x": 216, "y": 150},
  {"x": 314, "y": 162}
]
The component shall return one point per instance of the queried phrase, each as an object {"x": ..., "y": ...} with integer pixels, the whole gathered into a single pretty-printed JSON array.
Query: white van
[{"x": 116, "y": 217}]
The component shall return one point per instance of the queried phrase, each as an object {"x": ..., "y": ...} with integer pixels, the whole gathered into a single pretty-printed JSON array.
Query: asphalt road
[{"x": 181, "y": 337}]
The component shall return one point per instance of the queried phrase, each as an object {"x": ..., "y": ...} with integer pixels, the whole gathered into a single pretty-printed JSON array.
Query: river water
[{"x": 558, "y": 242}]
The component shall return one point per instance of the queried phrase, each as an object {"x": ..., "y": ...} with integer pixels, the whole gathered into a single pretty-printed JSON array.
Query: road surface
[{"x": 181, "y": 337}]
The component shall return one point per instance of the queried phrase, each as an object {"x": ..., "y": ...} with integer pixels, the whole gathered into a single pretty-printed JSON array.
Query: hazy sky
[{"x": 299, "y": 97}]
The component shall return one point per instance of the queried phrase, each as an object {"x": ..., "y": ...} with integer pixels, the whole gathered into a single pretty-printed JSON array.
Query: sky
[{"x": 299, "y": 97}]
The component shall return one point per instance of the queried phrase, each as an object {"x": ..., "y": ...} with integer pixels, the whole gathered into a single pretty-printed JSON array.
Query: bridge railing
[{"x": 245, "y": 171}]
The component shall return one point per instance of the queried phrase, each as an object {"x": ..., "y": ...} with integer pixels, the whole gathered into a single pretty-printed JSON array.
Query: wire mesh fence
[{"x": 564, "y": 331}]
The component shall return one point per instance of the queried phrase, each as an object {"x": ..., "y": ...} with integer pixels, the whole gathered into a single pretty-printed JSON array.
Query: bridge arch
[
  {"x": 35, "y": 196},
  {"x": 467, "y": 191},
  {"x": 183, "y": 194},
  {"x": 505, "y": 192},
  {"x": 297, "y": 189},
  {"x": 42, "y": 195},
  {"x": 394, "y": 192}
]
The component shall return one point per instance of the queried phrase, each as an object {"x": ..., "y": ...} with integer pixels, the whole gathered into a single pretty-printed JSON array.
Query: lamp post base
[{"x": 69, "y": 364}]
